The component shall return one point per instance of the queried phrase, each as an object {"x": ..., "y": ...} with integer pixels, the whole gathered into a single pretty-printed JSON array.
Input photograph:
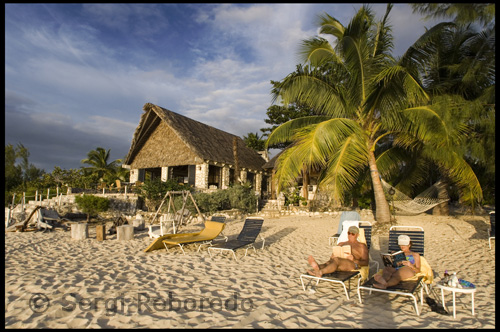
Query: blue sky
[{"x": 78, "y": 75}]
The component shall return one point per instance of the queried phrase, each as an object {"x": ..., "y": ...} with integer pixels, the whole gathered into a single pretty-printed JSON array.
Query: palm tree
[
  {"x": 459, "y": 76},
  {"x": 98, "y": 159},
  {"x": 364, "y": 100}
]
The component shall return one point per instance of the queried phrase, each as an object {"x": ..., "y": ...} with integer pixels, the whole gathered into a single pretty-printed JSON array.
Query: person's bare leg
[
  {"x": 401, "y": 274},
  {"x": 379, "y": 278}
]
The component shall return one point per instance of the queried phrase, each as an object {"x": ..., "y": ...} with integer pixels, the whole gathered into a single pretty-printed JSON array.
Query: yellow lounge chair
[{"x": 211, "y": 231}]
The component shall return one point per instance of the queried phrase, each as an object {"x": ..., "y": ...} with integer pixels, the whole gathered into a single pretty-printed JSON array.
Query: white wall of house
[
  {"x": 258, "y": 183},
  {"x": 243, "y": 175},
  {"x": 137, "y": 175},
  {"x": 225, "y": 177},
  {"x": 201, "y": 180},
  {"x": 164, "y": 174}
]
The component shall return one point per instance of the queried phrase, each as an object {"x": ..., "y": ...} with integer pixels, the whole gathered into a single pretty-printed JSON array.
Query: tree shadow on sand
[
  {"x": 278, "y": 235},
  {"x": 480, "y": 227}
]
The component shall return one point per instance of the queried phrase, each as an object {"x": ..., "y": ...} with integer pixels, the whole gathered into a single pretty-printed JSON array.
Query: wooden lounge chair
[
  {"x": 342, "y": 276},
  {"x": 345, "y": 216},
  {"x": 211, "y": 231},
  {"x": 246, "y": 238},
  {"x": 407, "y": 287},
  {"x": 491, "y": 231}
]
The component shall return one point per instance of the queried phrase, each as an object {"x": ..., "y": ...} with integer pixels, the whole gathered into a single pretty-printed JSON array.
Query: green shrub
[
  {"x": 91, "y": 204},
  {"x": 236, "y": 197},
  {"x": 153, "y": 191}
]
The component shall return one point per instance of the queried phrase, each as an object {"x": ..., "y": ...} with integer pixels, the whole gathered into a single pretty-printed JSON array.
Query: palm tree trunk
[
  {"x": 443, "y": 208},
  {"x": 382, "y": 211},
  {"x": 305, "y": 183}
]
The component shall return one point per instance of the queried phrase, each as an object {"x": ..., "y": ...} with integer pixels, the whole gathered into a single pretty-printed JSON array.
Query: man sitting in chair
[{"x": 354, "y": 261}]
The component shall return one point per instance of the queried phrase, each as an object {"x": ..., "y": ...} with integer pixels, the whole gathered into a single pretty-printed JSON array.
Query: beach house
[{"x": 168, "y": 145}]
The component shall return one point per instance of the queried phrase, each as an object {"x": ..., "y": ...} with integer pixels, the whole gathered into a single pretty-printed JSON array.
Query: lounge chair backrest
[
  {"x": 367, "y": 227},
  {"x": 212, "y": 229},
  {"x": 416, "y": 234},
  {"x": 218, "y": 218},
  {"x": 347, "y": 215},
  {"x": 492, "y": 222},
  {"x": 251, "y": 230}
]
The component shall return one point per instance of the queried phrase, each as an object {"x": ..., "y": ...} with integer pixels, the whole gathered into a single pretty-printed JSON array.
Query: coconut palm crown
[{"x": 362, "y": 99}]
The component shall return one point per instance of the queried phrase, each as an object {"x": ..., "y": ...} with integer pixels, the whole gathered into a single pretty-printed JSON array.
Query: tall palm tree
[
  {"x": 364, "y": 101},
  {"x": 461, "y": 71},
  {"x": 98, "y": 161}
]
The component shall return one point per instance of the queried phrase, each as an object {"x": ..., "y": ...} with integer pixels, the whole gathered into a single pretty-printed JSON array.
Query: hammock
[{"x": 424, "y": 201}]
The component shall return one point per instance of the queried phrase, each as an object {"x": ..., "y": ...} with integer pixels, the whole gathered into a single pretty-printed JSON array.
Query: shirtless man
[{"x": 358, "y": 257}]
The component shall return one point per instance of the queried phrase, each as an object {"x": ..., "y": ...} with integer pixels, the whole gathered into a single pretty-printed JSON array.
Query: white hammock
[{"x": 421, "y": 203}]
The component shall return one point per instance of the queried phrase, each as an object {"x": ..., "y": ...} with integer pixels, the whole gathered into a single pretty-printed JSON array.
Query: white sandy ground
[{"x": 61, "y": 278}]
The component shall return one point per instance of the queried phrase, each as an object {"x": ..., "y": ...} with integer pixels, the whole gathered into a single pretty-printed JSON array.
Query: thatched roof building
[{"x": 171, "y": 145}]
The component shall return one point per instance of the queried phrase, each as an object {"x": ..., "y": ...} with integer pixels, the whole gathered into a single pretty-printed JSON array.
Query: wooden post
[
  {"x": 23, "y": 202},
  {"x": 79, "y": 231},
  {"x": 125, "y": 232},
  {"x": 36, "y": 196},
  {"x": 100, "y": 231},
  {"x": 13, "y": 200},
  {"x": 48, "y": 193}
]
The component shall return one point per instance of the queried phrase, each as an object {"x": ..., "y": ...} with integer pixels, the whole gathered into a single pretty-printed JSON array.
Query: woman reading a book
[{"x": 391, "y": 276}]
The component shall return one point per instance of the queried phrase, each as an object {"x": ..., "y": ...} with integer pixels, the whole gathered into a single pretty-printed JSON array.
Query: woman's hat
[{"x": 403, "y": 240}]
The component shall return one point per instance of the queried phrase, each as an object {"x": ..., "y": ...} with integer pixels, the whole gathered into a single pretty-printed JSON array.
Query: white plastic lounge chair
[{"x": 345, "y": 216}]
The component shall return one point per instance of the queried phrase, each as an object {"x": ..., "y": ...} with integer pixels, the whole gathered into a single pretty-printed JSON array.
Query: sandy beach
[{"x": 52, "y": 281}]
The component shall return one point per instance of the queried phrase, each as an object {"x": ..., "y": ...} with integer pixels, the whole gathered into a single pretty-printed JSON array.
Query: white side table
[{"x": 454, "y": 290}]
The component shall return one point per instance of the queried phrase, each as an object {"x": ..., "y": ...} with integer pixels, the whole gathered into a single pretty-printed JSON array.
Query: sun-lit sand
[{"x": 52, "y": 281}]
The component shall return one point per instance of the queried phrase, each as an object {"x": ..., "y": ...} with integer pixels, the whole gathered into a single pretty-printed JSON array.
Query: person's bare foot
[
  {"x": 379, "y": 279},
  {"x": 316, "y": 270},
  {"x": 313, "y": 263},
  {"x": 380, "y": 286},
  {"x": 315, "y": 273}
]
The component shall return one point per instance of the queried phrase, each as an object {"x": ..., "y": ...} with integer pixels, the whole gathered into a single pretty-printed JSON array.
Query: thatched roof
[{"x": 165, "y": 138}]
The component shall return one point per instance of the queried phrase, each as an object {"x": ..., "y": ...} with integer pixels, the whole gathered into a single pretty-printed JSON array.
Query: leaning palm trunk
[
  {"x": 443, "y": 208},
  {"x": 382, "y": 211}
]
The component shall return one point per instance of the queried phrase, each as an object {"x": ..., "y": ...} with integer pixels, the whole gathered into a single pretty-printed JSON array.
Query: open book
[
  {"x": 341, "y": 251},
  {"x": 393, "y": 259}
]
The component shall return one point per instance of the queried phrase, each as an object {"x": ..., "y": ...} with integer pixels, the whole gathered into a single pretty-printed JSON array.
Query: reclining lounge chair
[
  {"x": 246, "y": 238},
  {"x": 211, "y": 231},
  {"x": 345, "y": 216},
  {"x": 407, "y": 287},
  {"x": 342, "y": 276}
]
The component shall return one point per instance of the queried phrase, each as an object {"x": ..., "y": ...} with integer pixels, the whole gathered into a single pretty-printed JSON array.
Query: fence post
[
  {"x": 13, "y": 200},
  {"x": 36, "y": 196},
  {"x": 48, "y": 193}
]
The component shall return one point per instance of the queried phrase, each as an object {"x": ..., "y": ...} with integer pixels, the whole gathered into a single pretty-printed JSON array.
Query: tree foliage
[
  {"x": 367, "y": 106},
  {"x": 92, "y": 205}
]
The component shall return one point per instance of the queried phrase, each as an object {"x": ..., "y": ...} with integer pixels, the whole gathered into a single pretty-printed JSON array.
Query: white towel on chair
[{"x": 346, "y": 224}]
